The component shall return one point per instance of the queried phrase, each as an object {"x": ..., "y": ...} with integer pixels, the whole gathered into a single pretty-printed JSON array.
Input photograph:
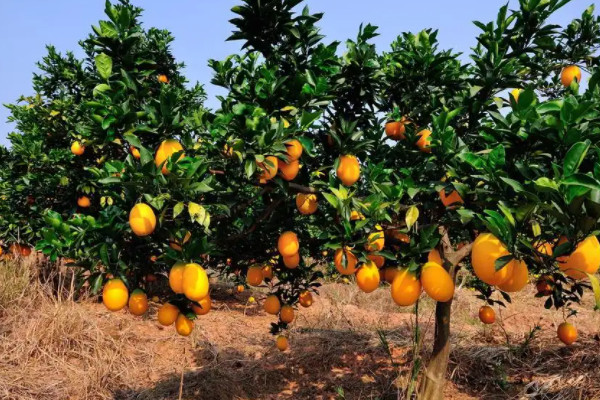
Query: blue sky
[{"x": 200, "y": 28}]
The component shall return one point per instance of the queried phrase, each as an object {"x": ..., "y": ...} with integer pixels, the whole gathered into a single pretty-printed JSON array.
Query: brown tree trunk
[{"x": 434, "y": 379}]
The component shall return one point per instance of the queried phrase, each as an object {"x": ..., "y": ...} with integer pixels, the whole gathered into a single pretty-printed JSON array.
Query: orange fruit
[
  {"x": 288, "y": 244},
  {"x": 282, "y": 343},
  {"x": 305, "y": 298},
  {"x": 77, "y": 148},
  {"x": 453, "y": 199},
  {"x": 355, "y": 215},
  {"x": 166, "y": 149},
  {"x": 272, "y": 305},
  {"x": 585, "y": 259},
  {"x": 306, "y": 203},
  {"x": 167, "y": 314},
  {"x": 544, "y": 248},
  {"x": 390, "y": 273},
  {"x": 286, "y": 314},
  {"x": 138, "y": 302},
  {"x": 486, "y": 250},
  {"x": 289, "y": 171},
  {"x": 406, "y": 288},
  {"x": 115, "y": 294},
  {"x": 545, "y": 285},
  {"x": 203, "y": 306},
  {"x": 569, "y": 74},
  {"x": 367, "y": 277},
  {"x": 292, "y": 262},
  {"x": 21, "y": 249},
  {"x": 487, "y": 315},
  {"x": 424, "y": 140},
  {"x": 142, "y": 219},
  {"x": 195, "y": 282},
  {"x": 135, "y": 153},
  {"x": 516, "y": 93},
  {"x": 437, "y": 283},
  {"x": 240, "y": 288},
  {"x": 84, "y": 202},
  {"x": 378, "y": 260},
  {"x": 434, "y": 256},
  {"x": 176, "y": 277},
  {"x": 176, "y": 244},
  {"x": 519, "y": 278},
  {"x": 228, "y": 150},
  {"x": 254, "y": 276},
  {"x": 269, "y": 168},
  {"x": 162, "y": 78},
  {"x": 567, "y": 333},
  {"x": 375, "y": 240},
  {"x": 396, "y": 235},
  {"x": 294, "y": 150},
  {"x": 267, "y": 272},
  {"x": 395, "y": 130},
  {"x": 351, "y": 260},
  {"x": 348, "y": 170},
  {"x": 184, "y": 325}
]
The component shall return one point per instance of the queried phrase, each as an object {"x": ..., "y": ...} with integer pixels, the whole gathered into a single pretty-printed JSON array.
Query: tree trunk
[{"x": 432, "y": 387}]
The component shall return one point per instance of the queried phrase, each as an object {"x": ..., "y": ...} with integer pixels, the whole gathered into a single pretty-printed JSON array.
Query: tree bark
[{"x": 434, "y": 379}]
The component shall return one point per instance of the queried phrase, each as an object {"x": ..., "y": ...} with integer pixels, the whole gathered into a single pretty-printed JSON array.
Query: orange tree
[{"x": 402, "y": 164}]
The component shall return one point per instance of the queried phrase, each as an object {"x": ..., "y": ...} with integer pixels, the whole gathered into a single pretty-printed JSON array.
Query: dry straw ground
[{"x": 349, "y": 345}]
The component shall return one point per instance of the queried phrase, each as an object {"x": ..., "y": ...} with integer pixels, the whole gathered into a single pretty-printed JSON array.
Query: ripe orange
[
  {"x": 486, "y": 250},
  {"x": 395, "y": 130},
  {"x": 355, "y": 215},
  {"x": 487, "y": 315},
  {"x": 375, "y": 240},
  {"x": 545, "y": 285},
  {"x": 453, "y": 199},
  {"x": 282, "y": 343},
  {"x": 396, "y": 235},
  {"x": 84, "y": 202},
  {"x": 138, "y": 302},
  {"x": 406, "y": 288},
  {"x": 367, "y": 277},
  {"x": 434, "y": 256},
  {"x": 567, "y": 333},
  {"x": 292, "y": 262},
  {"x": 184, "y": 325},
  {"x": 544, "y": 248},
  {"x": 424, "y": 141},
  {"x": 351, "y": 260},
  {"x": 142, "y": 219},
  {"x": 162, "y": 78},
  {"x": 570, "y": 73},
  {"x": 294, "y": 150},
  {"x": 195, "y": 282},
  {"x": 519, "y": 278},
  {"x": 203, "y": 306},
  {"x": 289, "y": 171},
  {"x": 20, "y": 249},
  {"x": 269, "y": 168},
  {"x": 584, "y": 259},
  {"x": 348, "y": 170},
  {"x": 240, "y": 288},
  {"x": 390, "y": 273},
  {"x": 166, "y": 149},
  {"x": 176, "y": 277},
  {"x": 254, "y": 276},
  {"x": 378, "y": 260},
  {"x": 115, "y": 294},
  {"x": 135, "y": 153},
  {"x": 77, "y": 148},
  {"x": 516, "y": 93},
  {"x": 167, "y": 314},
  {"x": 286, "y": 314},
  {"x": 306, "y": 203},
  {"x": 305, "y": 299},
  {"x": 272, "y": 305},
  {"x": 288, "y": 244},
  {"x": 267, "y": 272},
  {"x": 437, "y": 283}
]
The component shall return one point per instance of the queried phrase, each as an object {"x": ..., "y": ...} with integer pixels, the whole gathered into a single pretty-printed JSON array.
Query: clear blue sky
[{"x": 200, "y": 28}]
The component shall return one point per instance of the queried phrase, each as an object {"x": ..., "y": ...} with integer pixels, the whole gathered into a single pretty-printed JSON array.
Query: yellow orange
[
  {"x": 282, "y": 343},
  {"x": 77, "y": 148},
  {"x": 487, "y": 315},
  {"x": 406, "y": 288},
  {"x": 176, "y": 277},
  {"x": 378, "y": 260},
  {"x": 167, "y": 314},
  {"x": 355, "y": 215},
  {"x": 195, "y": 282},
  {"x": 162, "y": 78},
  {"x": 569, "y": 74},
  {"x": 142, "y": 220},
  {"x": 135, "y": 153},
  {"x": 519, "y": 278},
  {"x": 203, "y": 306},
  {"x": 305, "y": 298},
  {"x": 396, "y": 130},
  {"x": 184, "y": 325},
  {"x": 84, "y": 202},
  {"x": 424, "y": 140},
  {"x": 486, "y": 250},
  {"x": 289, "y": 171},
  {"x": 367, "y": 277},
  {"x": 437, "y": 283},
  {"x": 348, "y": 170},
  {"x": 351, "y": 260},
  {"x": 567, "y": 333},
  {"x": 292, "y": 261},
  {"x": 269, "y": 168},
  {"x": 434, "y": 256},
  {"x": 286, "y": 314},
  {"x": 306, "y": 203},
  {"x": 376, "y": 240},
  {"x": 288, "y": 244},
  {"x": 115, "y": 294},
  {"x": 138, "y": 302},
  {"x": 585, "y": 259},
  {"x": 254, "y": 276},
  {"x": 294, "y": 150},
  {"x": 272, "y": 305},
  {"x": 516, "y": 93},
  {"x": 166, "y": 149}
]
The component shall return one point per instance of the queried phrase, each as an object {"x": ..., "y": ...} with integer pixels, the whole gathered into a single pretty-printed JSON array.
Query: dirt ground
[{"x": 348, "y": 345}]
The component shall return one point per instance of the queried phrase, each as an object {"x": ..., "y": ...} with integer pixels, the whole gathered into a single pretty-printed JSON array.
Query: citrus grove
[{"x": 324, "y": 159}]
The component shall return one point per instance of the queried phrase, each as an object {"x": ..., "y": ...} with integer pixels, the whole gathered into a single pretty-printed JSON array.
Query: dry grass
[{"x": 348, "y": 345}]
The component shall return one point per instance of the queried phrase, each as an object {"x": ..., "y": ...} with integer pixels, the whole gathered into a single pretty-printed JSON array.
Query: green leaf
[
  {"x": 575, "y": 157},
  {"x": 412, "y": 214},
  {"x": 502, "y": 261},
  {"x": 104, "y": 65},
  {"x": 581, "y": 180},
  {"x": 596, "y": 289},
  {"x": 178, "y": 209}
]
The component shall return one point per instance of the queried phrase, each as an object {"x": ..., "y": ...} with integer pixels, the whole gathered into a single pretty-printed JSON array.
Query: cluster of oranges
[{"x": 396, "y": 130}]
